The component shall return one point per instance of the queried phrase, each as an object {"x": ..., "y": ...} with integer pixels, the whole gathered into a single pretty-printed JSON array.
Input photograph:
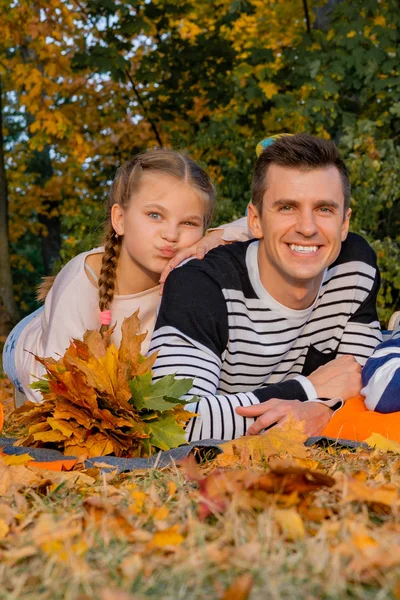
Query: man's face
[{"x": 302, "y": 225}]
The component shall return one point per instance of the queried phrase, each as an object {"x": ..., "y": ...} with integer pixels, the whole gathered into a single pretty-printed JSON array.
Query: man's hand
[
  {"x": 199, "y": 250},
  {"x": 315, "y": 415},
  {"x": 340, "y": 377}
]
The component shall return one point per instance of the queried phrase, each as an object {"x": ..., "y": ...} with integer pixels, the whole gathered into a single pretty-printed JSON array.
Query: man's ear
[
  {"x": 345, "y": 225},
  {"x": 254, "y": 221},
  {"x": 117, "y": 219}
]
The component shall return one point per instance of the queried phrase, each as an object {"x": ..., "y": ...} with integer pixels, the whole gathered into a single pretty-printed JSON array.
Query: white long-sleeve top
[{"x": 72, "y": 307}]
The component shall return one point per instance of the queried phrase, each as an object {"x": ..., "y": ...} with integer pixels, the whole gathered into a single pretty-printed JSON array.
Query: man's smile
[{"x": 303, "y": 249}]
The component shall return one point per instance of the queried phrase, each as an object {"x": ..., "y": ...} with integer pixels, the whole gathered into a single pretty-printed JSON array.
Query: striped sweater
[
  {"x": 381, "y": 376},
  {"x": 218, "y": 325}
]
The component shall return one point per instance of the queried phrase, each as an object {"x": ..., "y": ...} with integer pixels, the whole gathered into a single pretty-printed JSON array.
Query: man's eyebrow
[{"x": 317, "y": 204}]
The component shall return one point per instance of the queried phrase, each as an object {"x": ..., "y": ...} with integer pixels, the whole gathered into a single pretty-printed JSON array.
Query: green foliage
[
  {"x": 212, "y": 80},
  {"x": 160, "y": 395}
]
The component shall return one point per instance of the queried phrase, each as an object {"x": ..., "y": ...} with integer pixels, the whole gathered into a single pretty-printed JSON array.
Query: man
[{"x": 271, "y": 326}]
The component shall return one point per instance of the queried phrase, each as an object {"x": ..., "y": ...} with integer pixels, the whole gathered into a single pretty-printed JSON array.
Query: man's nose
[{"x": 306, "y": 223}]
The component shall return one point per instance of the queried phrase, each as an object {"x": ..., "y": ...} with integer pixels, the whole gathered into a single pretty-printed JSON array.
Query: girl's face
[{"x": 164, "y": 216}]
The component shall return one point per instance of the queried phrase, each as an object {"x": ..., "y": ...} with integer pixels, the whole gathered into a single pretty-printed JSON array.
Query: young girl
[{"x": 159, "y": 205}]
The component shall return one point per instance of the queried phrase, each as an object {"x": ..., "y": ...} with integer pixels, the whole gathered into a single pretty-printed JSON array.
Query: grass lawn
[{"x": 256, "y": 526}]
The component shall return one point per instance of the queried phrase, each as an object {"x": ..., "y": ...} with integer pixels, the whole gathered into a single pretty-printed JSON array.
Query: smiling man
[{"x": 283, "y": 323}]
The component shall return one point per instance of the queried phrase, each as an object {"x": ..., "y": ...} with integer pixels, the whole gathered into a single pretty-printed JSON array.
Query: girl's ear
[
  {"x": 117, "y": 219},
  {"x": 254, "y": 221}
]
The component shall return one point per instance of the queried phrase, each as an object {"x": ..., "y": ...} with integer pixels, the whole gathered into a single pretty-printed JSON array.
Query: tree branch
[
  {"x": 307, "y": 16},
  {"x": 145, "y": 112}
]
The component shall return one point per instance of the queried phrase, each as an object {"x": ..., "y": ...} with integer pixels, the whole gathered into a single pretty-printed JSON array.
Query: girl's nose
[{"x": 170, "y": 232}]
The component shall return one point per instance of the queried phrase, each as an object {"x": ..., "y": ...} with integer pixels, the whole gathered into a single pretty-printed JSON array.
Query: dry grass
[{"x": 88, "y": 535}]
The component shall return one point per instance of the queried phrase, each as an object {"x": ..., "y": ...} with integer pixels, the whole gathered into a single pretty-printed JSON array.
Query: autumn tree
[{"x": 210, "y": 78}]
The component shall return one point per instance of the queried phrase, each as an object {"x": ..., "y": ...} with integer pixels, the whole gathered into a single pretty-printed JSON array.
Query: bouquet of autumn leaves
[{"x": 99, "y": 400}]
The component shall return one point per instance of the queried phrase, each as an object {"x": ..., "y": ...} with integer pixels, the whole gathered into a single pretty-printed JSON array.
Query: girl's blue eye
[
  {"x": 155, "y": 216},
  {"x": 191, "y": 224}
]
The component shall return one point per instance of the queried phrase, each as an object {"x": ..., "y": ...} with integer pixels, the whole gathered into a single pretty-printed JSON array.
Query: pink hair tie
[{"x": 105, "y": 317}]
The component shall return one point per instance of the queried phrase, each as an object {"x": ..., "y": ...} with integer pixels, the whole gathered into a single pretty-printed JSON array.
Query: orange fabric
[
  {"x": 1, "y": 416},
  {"x": 54, "y": 465},
  {"x": 64, "y": 464},
  {"x": 355, "y": 422}
]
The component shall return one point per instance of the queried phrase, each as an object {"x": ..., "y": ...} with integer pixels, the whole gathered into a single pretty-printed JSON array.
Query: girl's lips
[{"x": 168, "y": 252}]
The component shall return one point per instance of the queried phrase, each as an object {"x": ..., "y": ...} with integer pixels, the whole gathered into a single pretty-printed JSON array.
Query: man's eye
[
  {"x": 286, "y": 208},
  {"x": 154, "y": 215},
  {"x": 325, "y": 209}
]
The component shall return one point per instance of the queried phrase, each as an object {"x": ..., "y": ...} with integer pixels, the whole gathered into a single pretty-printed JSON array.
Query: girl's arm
[{"x": 237, "y": 231}]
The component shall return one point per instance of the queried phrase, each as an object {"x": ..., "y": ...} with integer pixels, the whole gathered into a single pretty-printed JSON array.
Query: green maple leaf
[
  {"x": 140, "y": 387},
  {"x": 43, "y": 385},
  {"x": 166, "y": 433},
  {"x": 161, "y": 395}
]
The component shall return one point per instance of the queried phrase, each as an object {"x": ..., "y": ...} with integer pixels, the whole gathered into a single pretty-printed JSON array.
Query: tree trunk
[
  {"x": 41, "y": 165},
  {"x": 8, "y": 308}
]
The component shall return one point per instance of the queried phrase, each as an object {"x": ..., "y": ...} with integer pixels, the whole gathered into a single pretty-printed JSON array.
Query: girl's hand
[{"x": 199, "y": 250}]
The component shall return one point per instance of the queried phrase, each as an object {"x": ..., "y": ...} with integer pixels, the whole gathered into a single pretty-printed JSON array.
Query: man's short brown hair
[{"x": 300, "y": 151}]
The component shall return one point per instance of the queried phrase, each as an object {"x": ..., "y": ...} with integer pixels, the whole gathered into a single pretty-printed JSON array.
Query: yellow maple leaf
[
  {"x": 377, "y": 441},
  {"x": 16, "y": 459},
  {"x": 166, "y": 538},
  {"x": 291, "y": 523},
  {"x": 288, "y": 439}
]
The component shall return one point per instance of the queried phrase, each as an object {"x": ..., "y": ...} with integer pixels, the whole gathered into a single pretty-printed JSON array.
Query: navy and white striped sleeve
[
  {"x": 190, "y": 336},
  {"x": 362, "y": 332},
  {"x": 381, "y": 377}
]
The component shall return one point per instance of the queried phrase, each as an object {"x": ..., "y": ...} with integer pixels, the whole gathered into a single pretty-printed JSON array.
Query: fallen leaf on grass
[
  {"x": 253, "y": 489},
  {"x": 288, "y": 439},
  {"x": 100, "y": 513},
  {"x": 16, "y": 554},
  {"x": 168, "y": 538},
  {"x": 47, "y": 529},
  {"x": 377, "y": 441},
  {"x": 354, "y": 490},
  {"x": 4, "y": 529},
  {"x": 16, "y": 477},
  {"x": 240, "y": 588},
  {"x": 118, "y": 594},
  {"x": 16, "y": 459},
  {"x": 291, "y": 524}
]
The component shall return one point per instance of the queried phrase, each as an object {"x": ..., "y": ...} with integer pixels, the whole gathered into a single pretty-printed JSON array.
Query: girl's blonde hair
[{"x": 125, "y": 184}]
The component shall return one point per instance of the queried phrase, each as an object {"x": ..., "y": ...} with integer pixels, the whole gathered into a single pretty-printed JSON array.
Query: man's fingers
[
  {"x": 257, "y": 409},
  {"x": 251, "y": 411},
  {"x": 272, "y": 417}
]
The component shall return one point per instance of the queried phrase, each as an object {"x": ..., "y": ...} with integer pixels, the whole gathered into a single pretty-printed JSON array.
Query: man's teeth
[{"x": 305, "y": 249}]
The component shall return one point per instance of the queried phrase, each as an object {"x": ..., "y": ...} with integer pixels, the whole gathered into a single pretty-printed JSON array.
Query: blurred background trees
[{"x": 86, "y": 84}]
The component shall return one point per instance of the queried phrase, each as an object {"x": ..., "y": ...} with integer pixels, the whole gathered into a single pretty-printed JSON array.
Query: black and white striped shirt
[{"x": 218, "y": 325}]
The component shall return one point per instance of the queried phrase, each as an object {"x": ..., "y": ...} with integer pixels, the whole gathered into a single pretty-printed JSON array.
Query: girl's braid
[{"x": 108, "y": 272}]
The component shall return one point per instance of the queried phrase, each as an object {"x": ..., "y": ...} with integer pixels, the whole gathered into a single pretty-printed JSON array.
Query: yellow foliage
[{"x": 377, "y": 441}]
